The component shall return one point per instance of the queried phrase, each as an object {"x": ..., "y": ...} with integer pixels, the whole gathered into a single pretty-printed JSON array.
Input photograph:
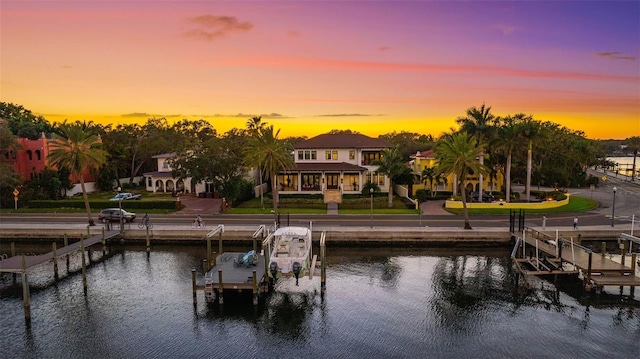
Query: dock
[
  {"x": 14, "y": 264},
  {"x": 536, "y": 253}
]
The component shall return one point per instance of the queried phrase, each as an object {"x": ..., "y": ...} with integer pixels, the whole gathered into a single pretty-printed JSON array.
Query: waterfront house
[{"x": 333, "y": 164}]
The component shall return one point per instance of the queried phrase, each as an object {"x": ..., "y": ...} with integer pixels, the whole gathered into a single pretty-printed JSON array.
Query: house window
[
  {"x": 352, "y": 155},
  {"x": 38, "y": 155},
  {"x": 331, "y": 155},
  {"x": 165, "y": 165},
  {"x": 307, "y": 155},
  {"x": 369, "y": 157},
  {"x": 378, "y": 178},
  {"x": 310, "y": 181},
  {"x": 30, "y": 155},
  {"x": 288, "y": 182}
]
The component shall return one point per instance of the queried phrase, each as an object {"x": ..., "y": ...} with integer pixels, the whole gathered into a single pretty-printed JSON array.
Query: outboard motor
[
  {"x": 273, "y": 268},
  {"x": 296, "y": 270}
]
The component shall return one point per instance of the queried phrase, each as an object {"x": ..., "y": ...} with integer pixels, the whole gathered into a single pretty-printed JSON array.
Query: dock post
[
  {"x": 193, "y": 286},
  {"x": 205, "y": 265},
  {"x": 255, "y": 245},
  {"x": 208, "y": 253},
  {"x": 84, "y": 266},
  {"x": 633, "y": 262},
  {"x": 148, "y": 241},
  {"x": 103, "y": 240},
  {"x": 214, "y": 260},
  {"x": 560, "y": 245},
  {"x": 323, "y": 269},
  {"x": 88, "y": 231},
  {"x": 220, "y": 296},
  {"x": 220, "y": 243},
  {"x": 13, "y": 254},
  {"x": 66, "y": 243},
  {"x": 255, "y": 288},
  {"x": 603, "y": 249},
  {"x": 26, "y": 296},
  {"x": 622, "y": 252},
  {"x": 55, "y": 260},
  {"x": 589, "y": 272}
]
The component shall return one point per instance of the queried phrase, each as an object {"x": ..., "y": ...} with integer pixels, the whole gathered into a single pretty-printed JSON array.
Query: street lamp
[
  {"x": 613, "y": 208},
  {"x": 371, "y": 213},
  {"x": 120, "y": 207}
]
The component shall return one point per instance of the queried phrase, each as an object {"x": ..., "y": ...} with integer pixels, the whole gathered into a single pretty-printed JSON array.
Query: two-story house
[
  {"x": 334, "y": 162},
  {"x": 427, "y": 159},
  {"x": 163, "y": 181}
]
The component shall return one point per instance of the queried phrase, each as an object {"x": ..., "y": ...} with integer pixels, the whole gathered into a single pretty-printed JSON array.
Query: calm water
[{"x": 381, "y": 303}]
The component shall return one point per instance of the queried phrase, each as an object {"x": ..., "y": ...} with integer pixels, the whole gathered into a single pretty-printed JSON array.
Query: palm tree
[
  {"x": 530, "y": 129},
  {"x": 479, "y": 123},
  {"x": 633, "y": 145},
  {"x": 390, "y": 164},
  {"x": 255, "y": 126},
  {"x": 76, "y": 149},
  {"x": 270, "y": 154},
  {"x": 429, "y": 173},
  {"x": 457, "y": 154},
  {"x": 508, "y": 138}
]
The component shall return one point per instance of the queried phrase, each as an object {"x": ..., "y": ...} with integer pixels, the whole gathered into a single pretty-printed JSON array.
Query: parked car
[
  {"x": 486, "y": 197},
  {"x": 125, "y": 196},
  {"x": 114, "y": 215}
]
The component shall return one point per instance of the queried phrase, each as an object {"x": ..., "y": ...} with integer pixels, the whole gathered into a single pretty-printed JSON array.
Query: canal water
[{"x": 379, "y": 303}]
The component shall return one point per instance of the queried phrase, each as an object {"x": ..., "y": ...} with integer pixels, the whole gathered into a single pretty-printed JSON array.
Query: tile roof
[
  {"x": 158, "y": 174},
  {"x": 328, "y": 166},
  {"x": 424, "y": 154},
  {"x": 343, "y": 140}
]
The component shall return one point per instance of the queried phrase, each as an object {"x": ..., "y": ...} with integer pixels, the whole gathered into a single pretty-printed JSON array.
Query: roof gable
[{"x": 343, "y": 140}]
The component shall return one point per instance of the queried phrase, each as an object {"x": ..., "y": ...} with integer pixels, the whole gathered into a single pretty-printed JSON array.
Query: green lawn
[{"x": 576, "y": 204}]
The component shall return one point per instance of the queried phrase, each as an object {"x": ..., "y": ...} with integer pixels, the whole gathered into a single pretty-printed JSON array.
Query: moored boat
[{"x": 291, "y": 252}]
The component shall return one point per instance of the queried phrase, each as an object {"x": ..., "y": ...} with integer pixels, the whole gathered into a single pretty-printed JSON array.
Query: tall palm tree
[
  {"x": 429, "y": 173},
  {"x": 479, "y": 122},
  {"x": 271, "y": 155},
  {"x": 633, "y": 145},
  {"x": 75, "y": 148},
  {"x": 255, "y": 126},
  {"x": 457, "y": 154},
  {"x": 531, "y": 130},
  {"x": 390, "y": 164},
  {"x": 508, "y": 138}
]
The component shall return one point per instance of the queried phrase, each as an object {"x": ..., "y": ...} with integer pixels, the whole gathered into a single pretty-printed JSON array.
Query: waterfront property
[{"x": 334, "y": 164}]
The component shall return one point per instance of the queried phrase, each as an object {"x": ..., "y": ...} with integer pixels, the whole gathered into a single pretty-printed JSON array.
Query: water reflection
[{"x": 379, "y": 302}]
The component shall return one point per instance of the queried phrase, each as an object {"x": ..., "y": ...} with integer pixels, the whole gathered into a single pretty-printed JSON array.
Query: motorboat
[{"x": 291, "y": 252}]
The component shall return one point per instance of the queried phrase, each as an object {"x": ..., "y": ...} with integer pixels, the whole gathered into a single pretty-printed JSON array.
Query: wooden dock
[
  {"x": 545, "y": 255},
  {"x": 15, "y": 264}
]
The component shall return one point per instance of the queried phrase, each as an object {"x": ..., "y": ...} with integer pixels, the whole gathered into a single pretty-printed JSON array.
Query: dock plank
[{"x": 14, "y": 264}]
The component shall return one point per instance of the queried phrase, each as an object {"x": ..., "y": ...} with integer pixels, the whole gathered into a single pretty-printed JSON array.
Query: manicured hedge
[{"x": 128, "y": 205}]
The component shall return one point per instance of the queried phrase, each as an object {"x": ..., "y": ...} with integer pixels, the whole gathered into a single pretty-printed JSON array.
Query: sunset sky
[{"x": 311, "y": 66}]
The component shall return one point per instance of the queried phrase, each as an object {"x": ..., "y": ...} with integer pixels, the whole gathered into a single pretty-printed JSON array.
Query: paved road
[{"x": 627, "y": 205}]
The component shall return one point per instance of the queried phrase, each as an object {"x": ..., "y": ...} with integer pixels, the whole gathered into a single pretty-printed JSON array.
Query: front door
[{"x": 333, "y": 180}]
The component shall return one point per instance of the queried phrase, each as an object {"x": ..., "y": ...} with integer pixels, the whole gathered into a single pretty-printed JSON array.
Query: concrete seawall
[{"x": 481, "y": 236}]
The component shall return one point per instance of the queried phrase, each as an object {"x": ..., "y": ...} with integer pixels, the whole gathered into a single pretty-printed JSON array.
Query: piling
[
  {"x": 26, "y": 296},
  {"x": 205, "y": 265},
  {"x": 220, "y": 296},
  {"x": 13, "y": 254},
  {"x": 84, "y": 266},
  {"x": 66, "y": 243},
  {"x": 193, "y": 286},
  {"x": 220, "y": 243},
  {"x": 255, "y": 288},
  {"x": 55, "y": 260},
  {"x": 603, "y": 249},
  {"x": 323, "y": 268},
  {"x": 208, "y": 252},
  {"x": 589, "y": 271},
  {"x": 148, "y": 241}
]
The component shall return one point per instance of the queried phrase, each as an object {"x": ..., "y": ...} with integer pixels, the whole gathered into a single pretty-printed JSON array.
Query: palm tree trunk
[
  {"x": 481, "y": 178},
  {"x": 261, "y": 193},
  {"x": 390, "y": 204},
  {"x": 86, "y": 201},
  {"x": 276, "y": 199},
  {"x": 465, "y": 211},
  {"x": 529, "y": 160},
  {"x": 633, "y": 167},
  {"x": 508, "y": 179}
]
